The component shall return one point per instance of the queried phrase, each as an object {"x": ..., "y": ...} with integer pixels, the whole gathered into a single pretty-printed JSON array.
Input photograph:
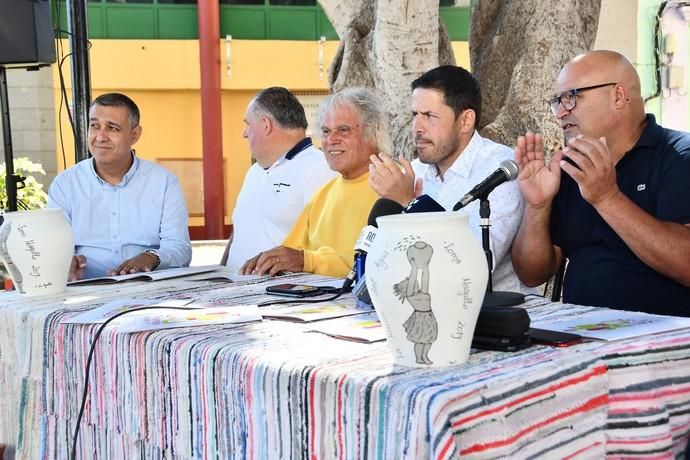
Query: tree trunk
[
  {"x": 517, "y": 48},
  {"x": 384, "y": 45}
]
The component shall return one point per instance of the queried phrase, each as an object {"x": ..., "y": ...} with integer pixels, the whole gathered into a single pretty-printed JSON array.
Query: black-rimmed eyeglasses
[{"x": 568, "y": 99}]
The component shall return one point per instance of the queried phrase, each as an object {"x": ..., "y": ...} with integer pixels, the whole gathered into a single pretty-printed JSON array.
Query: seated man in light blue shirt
[{"x": 128, "y": 214}]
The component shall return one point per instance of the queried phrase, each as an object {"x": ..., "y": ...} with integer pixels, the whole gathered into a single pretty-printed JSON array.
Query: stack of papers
[
  {"x": 364, "y": 328},
  {"x": 155, "y": 275},
  {"x": 309, "y": 312},
  {"x": 611, "y": 325},
  {"x": 193, "y": 314}
]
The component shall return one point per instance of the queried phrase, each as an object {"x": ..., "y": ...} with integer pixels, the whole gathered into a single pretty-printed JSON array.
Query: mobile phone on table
[
  {"x": 553, "y": 338},
  {"x": 293, "y": 290}
]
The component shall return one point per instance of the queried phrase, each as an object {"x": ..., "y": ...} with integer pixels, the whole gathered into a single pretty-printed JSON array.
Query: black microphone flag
[
  {"x": 423, "y": 203},
  {"x": 382, "y": 207}
]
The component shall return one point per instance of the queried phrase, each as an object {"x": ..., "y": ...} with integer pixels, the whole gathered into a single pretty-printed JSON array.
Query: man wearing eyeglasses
[
  {"x": 321, "y": 241},
  {"x": 614, "y": 201}
]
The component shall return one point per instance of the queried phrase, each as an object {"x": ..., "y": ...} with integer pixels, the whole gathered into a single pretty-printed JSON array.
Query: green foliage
[{"x": 32, "y": 195}]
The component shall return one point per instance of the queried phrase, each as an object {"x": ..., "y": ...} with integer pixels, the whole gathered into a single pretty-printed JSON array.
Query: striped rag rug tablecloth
[{"x": 272, "y": 389}]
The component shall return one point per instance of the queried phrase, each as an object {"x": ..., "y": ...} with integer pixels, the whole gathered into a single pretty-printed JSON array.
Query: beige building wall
[{"x": 618, "y": 27}]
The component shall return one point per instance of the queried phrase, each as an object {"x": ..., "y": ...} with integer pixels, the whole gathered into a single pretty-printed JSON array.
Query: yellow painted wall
[{"x": 162, "y": 77}]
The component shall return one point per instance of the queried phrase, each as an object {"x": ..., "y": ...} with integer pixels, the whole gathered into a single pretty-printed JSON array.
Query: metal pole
[
  {"x": 81, "y": 79},
  {"x": 211, "y": 120},
  {"x": 10, "y": 179},
  {"x": 484, "y": 213}
]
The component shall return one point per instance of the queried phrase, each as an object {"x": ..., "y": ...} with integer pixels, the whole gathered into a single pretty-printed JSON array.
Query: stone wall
[{"x": 32, "y": 118}]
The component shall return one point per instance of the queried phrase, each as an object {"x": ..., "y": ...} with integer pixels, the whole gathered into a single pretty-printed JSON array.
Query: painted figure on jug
[{"x": 421, "y": 326}]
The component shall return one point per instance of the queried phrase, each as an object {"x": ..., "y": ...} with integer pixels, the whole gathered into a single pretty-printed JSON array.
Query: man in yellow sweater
[{"x": 352, "y": 127}]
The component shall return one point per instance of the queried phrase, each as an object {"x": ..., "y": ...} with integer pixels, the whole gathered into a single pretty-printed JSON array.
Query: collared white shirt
[
  {"x": 271, "y": 200},
  {"x": 480, "y": 158},
  {"x": 113, "y": 223}
]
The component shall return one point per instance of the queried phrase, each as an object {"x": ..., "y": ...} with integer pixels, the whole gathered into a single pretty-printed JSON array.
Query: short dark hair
[
  {"x": 119, "y": 100},
  {"x": 461, "y": 91},
  {"x": 282, "y": 106}
]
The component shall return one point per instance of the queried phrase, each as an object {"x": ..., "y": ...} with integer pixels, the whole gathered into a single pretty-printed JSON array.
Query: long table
[{"x": 272, "y": 389}]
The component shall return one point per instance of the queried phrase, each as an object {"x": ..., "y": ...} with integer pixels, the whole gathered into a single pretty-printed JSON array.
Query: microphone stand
[
  {"x": 11, "y": 180},
  {"x": 493, "y": 298}
]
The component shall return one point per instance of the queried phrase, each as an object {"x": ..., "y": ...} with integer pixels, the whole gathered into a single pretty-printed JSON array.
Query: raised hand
[
  {"x": 537, "y": 181},
  {"x": 593, "y": 168},
  {"x": 392, "y": 180}
]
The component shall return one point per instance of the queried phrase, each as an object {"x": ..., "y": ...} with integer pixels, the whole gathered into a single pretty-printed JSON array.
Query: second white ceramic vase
[
  {"x": 36, "y": 248},
  {"x": 426, "y": 275}
]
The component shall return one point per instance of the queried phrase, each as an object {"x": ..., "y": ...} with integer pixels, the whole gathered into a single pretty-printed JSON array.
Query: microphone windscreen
[
  {"x": 511, "y": 168},
  {"x": 383, "y": 207},
  {"x": 423, "y": 203}
]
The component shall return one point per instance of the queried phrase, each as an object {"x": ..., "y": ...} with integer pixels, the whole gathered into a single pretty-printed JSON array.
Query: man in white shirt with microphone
[{"x": 454, "y": 158}]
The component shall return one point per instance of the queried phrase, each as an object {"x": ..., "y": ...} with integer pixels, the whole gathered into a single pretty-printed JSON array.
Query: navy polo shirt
[{"x": 602, "y": 270}]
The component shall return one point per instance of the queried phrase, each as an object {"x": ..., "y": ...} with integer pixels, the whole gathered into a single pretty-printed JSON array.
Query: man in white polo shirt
[{"x": 287, "y": 172}]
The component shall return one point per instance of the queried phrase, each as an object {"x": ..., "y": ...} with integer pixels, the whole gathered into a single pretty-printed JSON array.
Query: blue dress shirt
[{"x": 113, "y": 223}]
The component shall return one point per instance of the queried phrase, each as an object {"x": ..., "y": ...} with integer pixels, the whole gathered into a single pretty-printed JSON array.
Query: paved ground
[{"x": 207, "y": 252}]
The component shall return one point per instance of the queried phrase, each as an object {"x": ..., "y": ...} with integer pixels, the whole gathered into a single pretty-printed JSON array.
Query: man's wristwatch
[{"x": 156, "y": 258}]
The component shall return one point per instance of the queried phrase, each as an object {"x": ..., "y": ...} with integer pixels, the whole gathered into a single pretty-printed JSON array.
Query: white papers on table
[
  {"x": 616, "y": 324},
  {"x": 149, "y": 320},
  {"x": 309, "y": 312},
  {"x": 231, "y": 276},
  {"x": 332, "y": 282},
  {"x": 155, "y": 275},
  {"x": 365, "y": 328},
  {"x": 106, "y": 311},
  {"x": 194, "y": 314},
  {"x": 224, "y": 274}
]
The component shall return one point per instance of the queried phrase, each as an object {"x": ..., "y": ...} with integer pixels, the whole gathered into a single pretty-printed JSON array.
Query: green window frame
[{"x": 161, "y": 19}]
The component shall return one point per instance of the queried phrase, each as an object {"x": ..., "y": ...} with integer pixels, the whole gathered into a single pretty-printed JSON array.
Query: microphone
[
  {"x": 382, "y": 207},
  {"x": 507, "y": 172},
  {"x": 423, "y": 203}
]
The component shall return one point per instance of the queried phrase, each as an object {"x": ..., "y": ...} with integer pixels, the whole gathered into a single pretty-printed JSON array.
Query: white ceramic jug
[
  {"x": 426, "y": 275},
  {"x": 36, "y": 248}
]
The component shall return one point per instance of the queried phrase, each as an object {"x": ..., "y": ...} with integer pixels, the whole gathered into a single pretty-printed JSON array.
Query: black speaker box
[{"x": 26, "y": 33}]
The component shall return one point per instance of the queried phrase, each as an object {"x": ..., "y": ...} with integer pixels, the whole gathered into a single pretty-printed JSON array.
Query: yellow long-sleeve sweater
[{"x": 330, "y": 224}]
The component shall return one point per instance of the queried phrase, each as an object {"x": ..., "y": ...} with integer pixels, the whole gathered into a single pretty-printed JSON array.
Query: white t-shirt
[
  {"x": 272, "y": 199},
  {"x": 480, "y": 158}
]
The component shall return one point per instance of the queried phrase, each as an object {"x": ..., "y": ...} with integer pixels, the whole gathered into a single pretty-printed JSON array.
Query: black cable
[
  {"x": 82, "y": 405},
  {"x": 63, "y": 90},
  {"x": 302, "y": 300},
  {"x": 657, "y": 46},
  {"x": 88, "y": 366},
  {"x": 657, "y": 51},
  {"x": 62, "y": 100}
]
